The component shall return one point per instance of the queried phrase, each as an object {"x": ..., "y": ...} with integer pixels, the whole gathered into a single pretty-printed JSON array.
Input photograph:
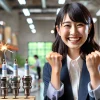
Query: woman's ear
[{"x": 58, "y": 29}]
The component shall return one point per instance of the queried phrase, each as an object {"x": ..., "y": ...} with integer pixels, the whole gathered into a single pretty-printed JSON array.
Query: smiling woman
[{"x": 72, "y": 69}]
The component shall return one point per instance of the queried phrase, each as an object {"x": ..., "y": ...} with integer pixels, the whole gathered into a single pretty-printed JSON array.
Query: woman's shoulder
[
  {"x": 47, "y": 70},
  {"x": 47, "y": 66}
]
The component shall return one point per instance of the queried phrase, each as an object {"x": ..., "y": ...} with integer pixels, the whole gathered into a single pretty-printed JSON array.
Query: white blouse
[{"x": 75, "y": 68}]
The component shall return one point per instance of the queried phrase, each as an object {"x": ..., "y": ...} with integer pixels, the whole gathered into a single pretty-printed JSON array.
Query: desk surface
[{"x": 18, "y": 98}]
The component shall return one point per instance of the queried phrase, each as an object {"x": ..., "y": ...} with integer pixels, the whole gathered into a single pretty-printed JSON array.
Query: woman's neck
[{"x": 73, "y": 53}]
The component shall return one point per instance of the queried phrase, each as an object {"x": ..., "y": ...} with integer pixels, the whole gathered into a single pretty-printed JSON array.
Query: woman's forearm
[
  {"x": 55, "y": 80},
  {"x": 95, "y": 80}
]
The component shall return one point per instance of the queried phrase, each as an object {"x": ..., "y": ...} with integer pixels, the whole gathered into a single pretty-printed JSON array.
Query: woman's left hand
[{"x": 93, "y": 62}]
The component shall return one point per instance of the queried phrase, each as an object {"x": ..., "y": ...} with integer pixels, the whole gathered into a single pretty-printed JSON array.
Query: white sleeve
[{"x": 94, "y": 93}]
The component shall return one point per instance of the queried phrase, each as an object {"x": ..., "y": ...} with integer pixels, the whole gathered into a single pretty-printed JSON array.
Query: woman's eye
[
  {"x": 67, "y": 26},
  {"x": 80, "y": 24}
]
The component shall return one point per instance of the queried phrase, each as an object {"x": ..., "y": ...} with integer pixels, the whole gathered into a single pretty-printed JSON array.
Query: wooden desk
[{"x": 18, "y": 98}]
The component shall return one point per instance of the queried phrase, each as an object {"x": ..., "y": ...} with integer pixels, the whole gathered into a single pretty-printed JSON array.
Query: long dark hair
[{"x": 77, "y": 13}]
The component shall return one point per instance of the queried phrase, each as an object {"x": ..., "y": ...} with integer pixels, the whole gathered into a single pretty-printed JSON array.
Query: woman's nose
[{"x": 73, "y": 30}]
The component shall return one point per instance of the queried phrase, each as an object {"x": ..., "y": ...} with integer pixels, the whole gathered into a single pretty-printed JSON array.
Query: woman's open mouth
[{"x": 74, "y": 39}]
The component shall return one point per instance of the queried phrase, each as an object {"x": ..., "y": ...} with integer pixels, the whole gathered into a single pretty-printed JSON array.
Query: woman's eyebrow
[{"x": 66, "y": 22}]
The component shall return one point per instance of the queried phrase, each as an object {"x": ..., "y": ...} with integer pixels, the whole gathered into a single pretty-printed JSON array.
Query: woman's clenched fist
[
  {"x": 93, "y": 62},
  {"x": 55, "y": 60}
]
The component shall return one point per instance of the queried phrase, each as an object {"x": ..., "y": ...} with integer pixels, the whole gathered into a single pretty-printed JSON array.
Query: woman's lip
[{"x": 74, "y": 38}]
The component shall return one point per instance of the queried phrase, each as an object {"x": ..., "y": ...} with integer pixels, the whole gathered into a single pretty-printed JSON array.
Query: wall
[
  {"x": 19, "y": 25},
  {"x": 11, "y": 20},
  {"x": 25, "y": 35}
]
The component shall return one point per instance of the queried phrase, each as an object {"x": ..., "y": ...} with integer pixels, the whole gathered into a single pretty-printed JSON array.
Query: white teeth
[{"x": 74, "y": 39}]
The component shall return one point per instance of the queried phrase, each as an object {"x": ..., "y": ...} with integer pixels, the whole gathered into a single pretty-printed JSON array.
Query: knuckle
[
  {"x": 47, "y": 56},
  {"x": 91, "y": 57},
  {"x": 96, "y": 56},
  {"x": 52, "y": 56}
]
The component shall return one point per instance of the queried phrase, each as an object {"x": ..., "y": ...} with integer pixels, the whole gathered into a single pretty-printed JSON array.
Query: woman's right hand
[{"x": 55, "y": 60}]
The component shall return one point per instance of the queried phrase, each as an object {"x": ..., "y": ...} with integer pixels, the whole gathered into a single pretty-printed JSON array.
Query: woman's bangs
[{"x": 77, "y": 15}]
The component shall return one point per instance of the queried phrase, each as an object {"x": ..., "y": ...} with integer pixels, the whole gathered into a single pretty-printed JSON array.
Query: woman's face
[{"x": 73, "y": 34}]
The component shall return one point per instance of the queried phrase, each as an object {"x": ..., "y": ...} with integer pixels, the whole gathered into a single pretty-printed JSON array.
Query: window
[{"x": 39, "y": 48}]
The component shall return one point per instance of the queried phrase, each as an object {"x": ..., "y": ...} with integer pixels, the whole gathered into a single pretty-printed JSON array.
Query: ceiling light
[
  {"x": 33, "y": 30},
  {"x": 98, "y": 13},
  {"x": 52, "y": 31},
  {"x": 26, "y": 12},
  {"x": 61, "y": 1},
  {"x": 94, "y": 19},
  {"x": 29, "y": 20},
  {"x": 43, "y": 3},
  {"x": 2, "y": 23},
  {"x": 31, "y": 26},
  {"x": 22, "y": 2}
]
